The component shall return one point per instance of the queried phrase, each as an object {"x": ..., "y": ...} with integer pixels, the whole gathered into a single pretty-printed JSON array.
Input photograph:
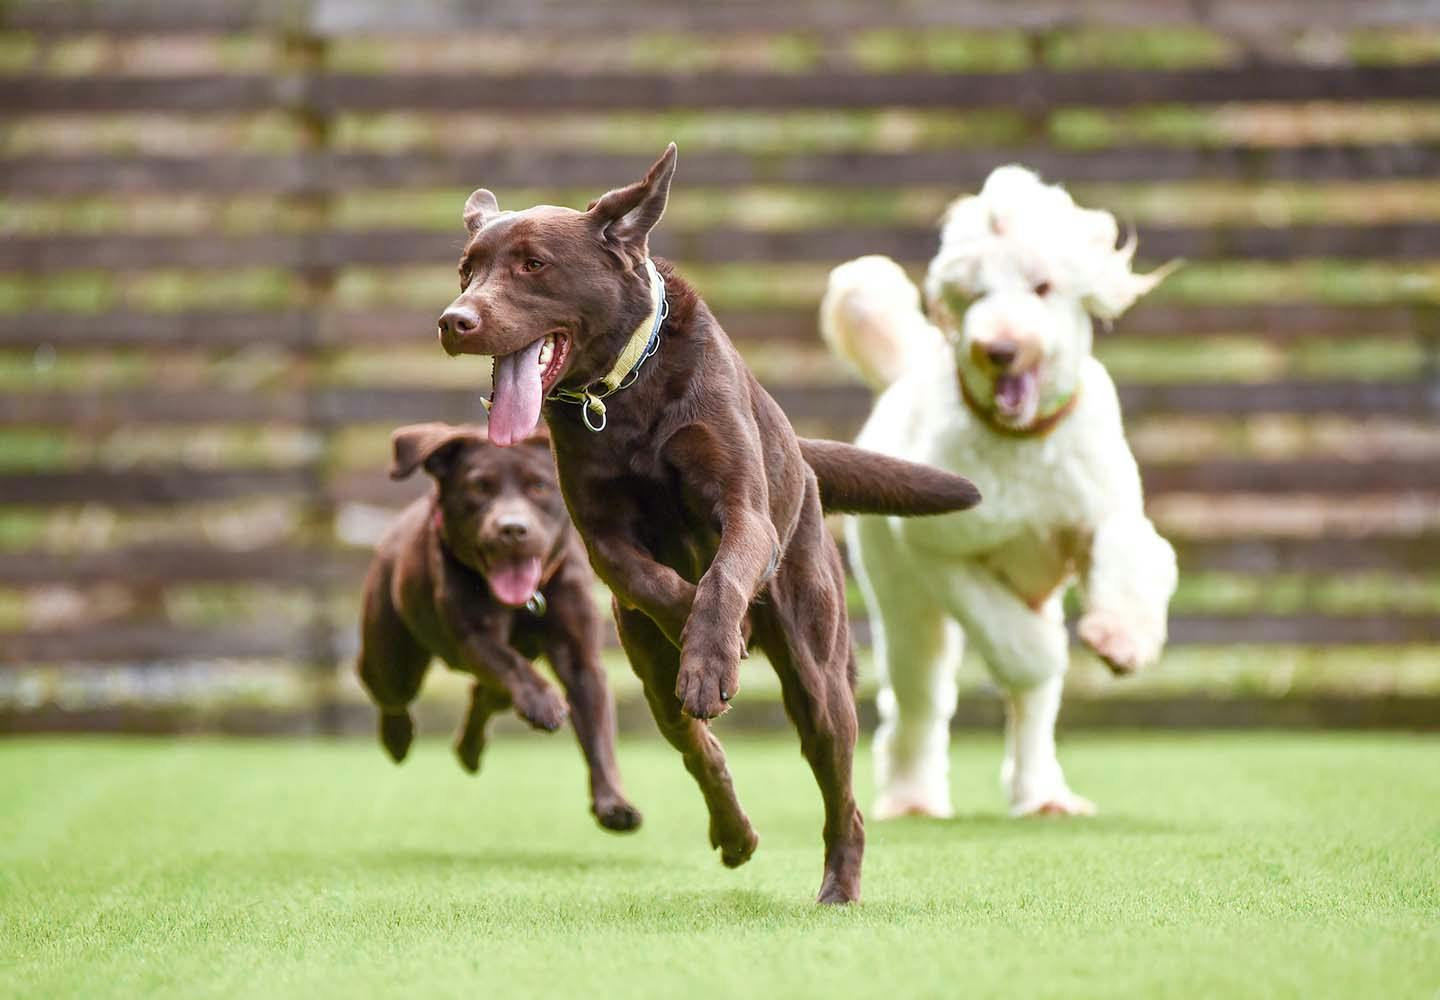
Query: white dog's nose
[{"x": 1002, "y": 353}]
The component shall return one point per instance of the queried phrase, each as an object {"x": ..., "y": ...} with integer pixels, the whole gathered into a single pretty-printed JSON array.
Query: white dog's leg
[
  {"x": 1128, "y": 585},
  {"x": 917, "y": 653},
  {"x": 1027, "y": 652},
  {"x": 1033, "y": 777}
]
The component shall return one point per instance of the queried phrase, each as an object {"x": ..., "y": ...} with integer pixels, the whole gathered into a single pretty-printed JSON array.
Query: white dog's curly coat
[{"x": 1006, "y": 391}]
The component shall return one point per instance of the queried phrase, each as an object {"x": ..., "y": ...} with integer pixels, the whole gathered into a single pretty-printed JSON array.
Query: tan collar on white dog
[{"x": 1038, "y": 427}]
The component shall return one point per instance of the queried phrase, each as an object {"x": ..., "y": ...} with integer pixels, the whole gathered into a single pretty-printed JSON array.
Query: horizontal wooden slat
[
  {"x": 960, "y": 169},
  {"x": 170, "y": 485},
  {"x": 549, "y": 91},
  {"x": 1305, "y": 629},
  {"x": 711, "y": 245},
  {"x": 297, "y": 329},
  {"x": 842, "y": 403},
  {"x": 558, "y": 18},
  {"x": 120, "y": 642},
  {"x": 162, "y": 642},
  {"x": 151, "y": 486},
  {"x": 172, "y": 563},
  {"x": 973, "y": 712},
  {"x": 175, "y": 564}
]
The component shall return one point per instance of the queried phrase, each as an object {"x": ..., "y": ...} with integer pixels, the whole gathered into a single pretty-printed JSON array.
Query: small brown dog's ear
[
  {"x": 427, "y": 444},
  {"x": 626, "y": 215},
  {"x": 480, "y": 208},
  {"x": 540, "y": 436}
]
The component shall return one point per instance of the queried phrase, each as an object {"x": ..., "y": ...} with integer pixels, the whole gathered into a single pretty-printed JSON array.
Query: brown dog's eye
[
  {"x": 1042, "y": 289},
  {"x": 464, "y": 278},
  {"x": 538, "y": 490},
  {"x": 482, "y": 485},
  {"x": 532, "y": 265}
]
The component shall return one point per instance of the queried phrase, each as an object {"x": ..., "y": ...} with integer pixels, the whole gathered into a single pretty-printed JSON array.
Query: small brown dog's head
[
  {"x": 501, "y": 512},
  {"x": 553, "y": 294}
]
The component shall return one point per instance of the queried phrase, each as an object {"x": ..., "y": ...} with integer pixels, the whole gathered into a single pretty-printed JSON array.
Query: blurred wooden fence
[{"x": 272, "y": 337}]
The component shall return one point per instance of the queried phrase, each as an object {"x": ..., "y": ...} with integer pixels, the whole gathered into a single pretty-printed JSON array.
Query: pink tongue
[
  {"x": 1011, "y": 390},
  {"x": 515, "y": 403},
  {"x": 515, "y": 583}
]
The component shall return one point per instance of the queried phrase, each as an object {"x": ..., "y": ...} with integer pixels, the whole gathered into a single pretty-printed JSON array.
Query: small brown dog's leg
[
  {"x": 535, "y": 700},
  {"x": 485, "y": 701},
  {"x": 592, "y": 713},
  {"x": 657, "y": 662},
  {"x": 391, "y": 666}
]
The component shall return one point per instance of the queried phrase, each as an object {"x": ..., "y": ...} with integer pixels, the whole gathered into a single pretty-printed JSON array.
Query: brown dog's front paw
[
  {"x": 542, "y": 708},
  {"x": 706, "y": 684},
  {"x": 397, "y": 732},
  {"x": 617, "y": 815}
]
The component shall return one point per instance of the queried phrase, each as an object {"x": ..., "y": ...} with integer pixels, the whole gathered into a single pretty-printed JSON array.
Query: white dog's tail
[{"x": 871, "y": 317}]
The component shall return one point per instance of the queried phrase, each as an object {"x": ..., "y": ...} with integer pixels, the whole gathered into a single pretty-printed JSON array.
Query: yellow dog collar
[{"x": 642, "y": 344}]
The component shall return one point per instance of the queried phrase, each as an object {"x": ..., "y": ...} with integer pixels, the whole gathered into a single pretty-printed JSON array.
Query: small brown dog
[
  {"x": 699, "y": 506},
  {"x": 487, "y": 574}
]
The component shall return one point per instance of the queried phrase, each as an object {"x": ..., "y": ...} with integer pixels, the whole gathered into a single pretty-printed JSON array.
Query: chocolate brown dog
[
  {"x": 487, "y": 574},
  {"x": 699, "y": 506}
]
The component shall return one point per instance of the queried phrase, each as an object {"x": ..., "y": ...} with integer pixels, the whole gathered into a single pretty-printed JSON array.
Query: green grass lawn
[{"x": 1263, "y": 865}]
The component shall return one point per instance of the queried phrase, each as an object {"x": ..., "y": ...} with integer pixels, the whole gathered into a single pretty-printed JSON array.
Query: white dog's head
[{"x": 1021, "y": 270}]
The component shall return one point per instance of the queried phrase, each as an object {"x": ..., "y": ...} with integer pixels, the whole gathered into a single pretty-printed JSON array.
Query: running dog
[
  {"x": 699, "y": 506},
  {"x": 488, "y": 573},
  {"x": 1007, "y": 389}
]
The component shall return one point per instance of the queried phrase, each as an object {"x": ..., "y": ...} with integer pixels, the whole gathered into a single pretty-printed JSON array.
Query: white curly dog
[{"x": 1004, "y": 388}]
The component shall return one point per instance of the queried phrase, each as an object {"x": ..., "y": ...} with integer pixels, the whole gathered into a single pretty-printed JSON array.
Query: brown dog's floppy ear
[
  {"x": 427, "y": 444},
  {"x": 626, "y": 215},
  {"x": 480, "y": 208}
]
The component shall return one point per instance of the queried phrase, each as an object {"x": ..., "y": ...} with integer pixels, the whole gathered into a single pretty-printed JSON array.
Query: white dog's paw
[
  {"x": 1061, "y": 803},
  {"x": 1124, "y": 648},
  {"x": 893, "y": 805}
]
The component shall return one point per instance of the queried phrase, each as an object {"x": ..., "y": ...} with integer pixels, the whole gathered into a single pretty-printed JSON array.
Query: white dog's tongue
[
  {"x": 515, "y": 583},
  {"x": 515, "y": 402},
  {"x": 1013, "y": 394}
]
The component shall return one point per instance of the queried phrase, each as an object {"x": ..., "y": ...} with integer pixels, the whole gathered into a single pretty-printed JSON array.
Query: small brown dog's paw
[
  {"x": 542, "y": 708},
  {"x": 619, "y": 816},
  {"x": 397, "y": 732},
  {"x": 468, "y": 753},
  {"x": 1115, "y": 642}
]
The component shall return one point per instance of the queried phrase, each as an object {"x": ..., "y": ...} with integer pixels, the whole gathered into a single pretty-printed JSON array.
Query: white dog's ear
[{"x": 1111, "y": 286}]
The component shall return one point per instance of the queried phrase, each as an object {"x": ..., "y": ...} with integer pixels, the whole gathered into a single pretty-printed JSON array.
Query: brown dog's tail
[{"x": 855, "y": 481}]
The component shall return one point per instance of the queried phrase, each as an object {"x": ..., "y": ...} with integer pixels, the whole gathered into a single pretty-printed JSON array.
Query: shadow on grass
[
  {"x": 480, "y": 860},
  {"x": 995, "y": 826}
]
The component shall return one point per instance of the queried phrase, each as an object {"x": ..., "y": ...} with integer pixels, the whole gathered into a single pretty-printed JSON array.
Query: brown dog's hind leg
[
  {"x": 592, "y": 713},
  {"x": 806, "y": 636},
  {"x": 470, "y": 743},
  {"x": 656, "y": 662}
]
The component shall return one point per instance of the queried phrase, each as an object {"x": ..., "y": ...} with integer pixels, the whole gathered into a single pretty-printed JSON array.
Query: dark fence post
[{"x": 306, "y": 54}]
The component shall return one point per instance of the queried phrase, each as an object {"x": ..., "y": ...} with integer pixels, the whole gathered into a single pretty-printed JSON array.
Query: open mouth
[
  {"x": 514, "y": 581},
  {"x": 1017, "y": 397},
  {"x": 521, "y": 380}
]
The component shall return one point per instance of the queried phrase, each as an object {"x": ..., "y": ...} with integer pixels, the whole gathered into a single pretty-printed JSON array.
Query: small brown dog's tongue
[
  {"x": 514, "y": 583},
  {"x": 515, "y": 403}
]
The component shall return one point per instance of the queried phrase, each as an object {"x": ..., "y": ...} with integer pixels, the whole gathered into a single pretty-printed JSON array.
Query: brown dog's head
[
  {"x": 553, "y": 294},
  {"x": 501, "y": 512}
]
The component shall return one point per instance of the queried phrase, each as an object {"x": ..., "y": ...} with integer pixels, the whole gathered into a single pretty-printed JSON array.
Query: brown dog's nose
[
  {"x": 1002, "y": 353},
  {"x": 458, "y": 321},
  {"x": 514, "y": 529}
]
